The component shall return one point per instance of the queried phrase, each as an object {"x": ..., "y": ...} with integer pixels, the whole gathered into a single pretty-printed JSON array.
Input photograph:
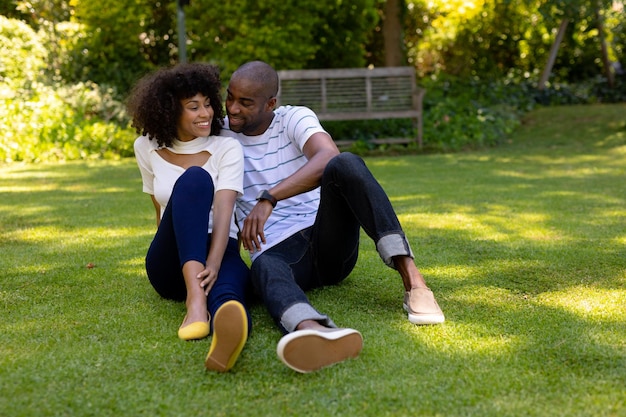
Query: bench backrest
[
  {"x": 353, "y": 94},
  {"x": 357, "y": 94}
]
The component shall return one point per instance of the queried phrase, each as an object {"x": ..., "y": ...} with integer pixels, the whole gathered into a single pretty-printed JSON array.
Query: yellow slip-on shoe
[
  {"x": 230, "y": 332},
  {"x": 195, "y": 330}
]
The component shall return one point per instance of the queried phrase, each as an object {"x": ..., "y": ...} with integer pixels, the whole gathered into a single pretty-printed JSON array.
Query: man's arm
[{"x": 319, "y": 149}]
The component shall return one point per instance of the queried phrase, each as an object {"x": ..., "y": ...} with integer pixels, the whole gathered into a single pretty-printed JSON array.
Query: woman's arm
[
  {"x": 223, "y": 206},
  {"x": 157, "y": 207}
]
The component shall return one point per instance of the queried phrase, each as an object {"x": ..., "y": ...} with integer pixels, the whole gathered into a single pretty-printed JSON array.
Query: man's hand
[{"x": 252, "y": 235}]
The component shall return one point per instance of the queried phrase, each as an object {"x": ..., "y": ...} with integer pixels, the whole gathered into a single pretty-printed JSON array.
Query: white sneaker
[{"x": 309, "y": 350}]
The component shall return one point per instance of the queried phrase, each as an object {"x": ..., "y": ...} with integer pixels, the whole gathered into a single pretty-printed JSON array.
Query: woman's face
[{"x": 196, "y": 118}]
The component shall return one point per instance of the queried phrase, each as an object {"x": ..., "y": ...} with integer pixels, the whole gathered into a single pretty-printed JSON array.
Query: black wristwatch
[{"x": 265, "y": 195}]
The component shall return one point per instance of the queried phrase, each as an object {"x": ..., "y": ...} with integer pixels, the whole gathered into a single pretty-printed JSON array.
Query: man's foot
[
  {"x": 312, "y": 349},
  {"x": 230, "y": 332},
  {"x": 422, "y": 307}
]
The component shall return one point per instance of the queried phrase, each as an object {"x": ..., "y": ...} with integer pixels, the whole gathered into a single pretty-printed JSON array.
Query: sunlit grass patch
[{"x": 588, "y": 302}]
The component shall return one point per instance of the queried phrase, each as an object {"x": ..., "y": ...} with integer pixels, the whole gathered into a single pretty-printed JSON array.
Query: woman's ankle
[{"x": 196, "y": 311}]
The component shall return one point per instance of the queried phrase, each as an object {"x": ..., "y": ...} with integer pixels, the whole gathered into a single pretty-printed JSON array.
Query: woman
[{"x": 193, "y": 178}]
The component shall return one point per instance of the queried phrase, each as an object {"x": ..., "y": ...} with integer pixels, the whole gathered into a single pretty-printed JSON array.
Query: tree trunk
[
  {"x": 553, "y": 51},
  {"x": 392, "y": 34},
  {"x": 605, "y": 53}
]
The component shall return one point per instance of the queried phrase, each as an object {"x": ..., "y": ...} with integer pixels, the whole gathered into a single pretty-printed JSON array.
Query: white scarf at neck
[{"x": 190, "y": 147}]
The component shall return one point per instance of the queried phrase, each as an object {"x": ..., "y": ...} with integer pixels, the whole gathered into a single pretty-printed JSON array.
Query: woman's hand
[{"x": 208, "y": 277}]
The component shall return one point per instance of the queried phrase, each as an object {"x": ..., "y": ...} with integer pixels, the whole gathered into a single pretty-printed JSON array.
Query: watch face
[{"x": 258, "y": 197}]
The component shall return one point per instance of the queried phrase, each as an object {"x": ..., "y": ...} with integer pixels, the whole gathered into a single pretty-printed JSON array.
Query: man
[{"x": 304, "y": 204}]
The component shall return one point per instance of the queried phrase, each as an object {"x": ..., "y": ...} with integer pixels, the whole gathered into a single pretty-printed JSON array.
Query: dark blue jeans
[
  {"x": 182, "y": 236},
  {"x": 326, "y": 253}
]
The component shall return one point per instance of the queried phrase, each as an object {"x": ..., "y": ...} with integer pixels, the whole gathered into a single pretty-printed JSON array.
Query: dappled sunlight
[
  {"x": 388, "y": 163},
  {"x": 588, "y": 302},
  {"x": 488, "y": 324},
  {"x": 621, "y": 240},
  {"x": 468, "y": 335},
  {"x": 25, "y": 173},
  {"x": 52, "y": 186},
  {"x": 462, "y": 339},
  {"x": 35, "y": 211},
  {"x": 40, "y": 234},
  {"x": 53, "y": 250},
  {"x": 74, "y": 236},
  {"x": 608, "y": 216},
  {"x": 580, "y": 196},
  {"x": 616, "y": 140},
  {"x": 135, "y": 266},
  {"x": 457, "y": 272},
  {"x": 133, "y": 263},
  {"x": 29, "y": 188},
  {"x": 496, "y": 297},
  {"x": 619, "y": 151},
  {"x": 499, "y": 224},
  {"x": 575, "y": 167},
  {"x": 22, "y": 267},
  {"x": 471, "y": 274},
  {"x": 411, "y": 198}
]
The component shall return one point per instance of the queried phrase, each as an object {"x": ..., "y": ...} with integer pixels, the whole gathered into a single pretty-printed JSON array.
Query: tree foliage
[
  {"x": 121, "y": 40},
  {"x": 112, "y": 42},
  {"x": 488, "y": 38},
  {"x": 288, "y": 34},
  {"x": 65, "y": 53}
]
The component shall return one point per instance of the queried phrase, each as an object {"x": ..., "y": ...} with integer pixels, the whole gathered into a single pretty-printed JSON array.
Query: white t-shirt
[
  {"x": 225, "y": 165},
  {"x": 269, "y": 159}
]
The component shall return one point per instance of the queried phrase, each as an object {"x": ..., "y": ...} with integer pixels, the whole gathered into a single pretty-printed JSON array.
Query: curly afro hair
[{"x": 155, "y": 101}]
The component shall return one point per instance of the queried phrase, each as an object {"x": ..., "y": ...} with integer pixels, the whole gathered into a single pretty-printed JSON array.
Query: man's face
[{"x": 249, "y": 111}]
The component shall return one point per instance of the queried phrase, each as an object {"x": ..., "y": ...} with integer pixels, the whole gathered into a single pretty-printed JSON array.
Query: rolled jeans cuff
[
  {"x": 299, "y": 312},
  {"x": 393, "y": 245}
]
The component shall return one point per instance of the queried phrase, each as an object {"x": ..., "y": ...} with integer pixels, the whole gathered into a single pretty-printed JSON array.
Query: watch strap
[{"x": 265, "y": 195}]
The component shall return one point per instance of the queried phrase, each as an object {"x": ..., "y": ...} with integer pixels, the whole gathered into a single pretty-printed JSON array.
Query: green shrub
[
  {"x": 27, "y": 60},
  {"x": 474, "y": 113},
  {"x": 454, "y": 126},
  {"x": 62, "y": 123},
  {"x": 44, "y": 122},
  {"x": 365, "y": 130}
]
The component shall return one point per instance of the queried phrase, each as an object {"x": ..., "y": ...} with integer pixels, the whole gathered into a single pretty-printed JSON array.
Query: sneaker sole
[
  {"x": 310, "y": 350},
  {"x": 230, "y": 332},
  {"x": 424, "y": 318}
]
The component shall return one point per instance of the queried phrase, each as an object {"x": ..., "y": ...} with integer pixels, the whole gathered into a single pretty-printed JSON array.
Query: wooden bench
[{"x": 357, "y": 94}]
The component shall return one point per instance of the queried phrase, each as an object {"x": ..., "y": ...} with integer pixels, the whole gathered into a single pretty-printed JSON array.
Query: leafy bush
[
  {"x": 63, "y": 123},
  {"x": 42, "y": 121},
  {"x": 365, "y": 130},
  {"x": 455, "y": 126},
  {"x": 27, "y": 59}
]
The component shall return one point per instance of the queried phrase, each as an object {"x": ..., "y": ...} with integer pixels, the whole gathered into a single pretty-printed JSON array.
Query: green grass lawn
[{"x": 524, "y": 246}]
